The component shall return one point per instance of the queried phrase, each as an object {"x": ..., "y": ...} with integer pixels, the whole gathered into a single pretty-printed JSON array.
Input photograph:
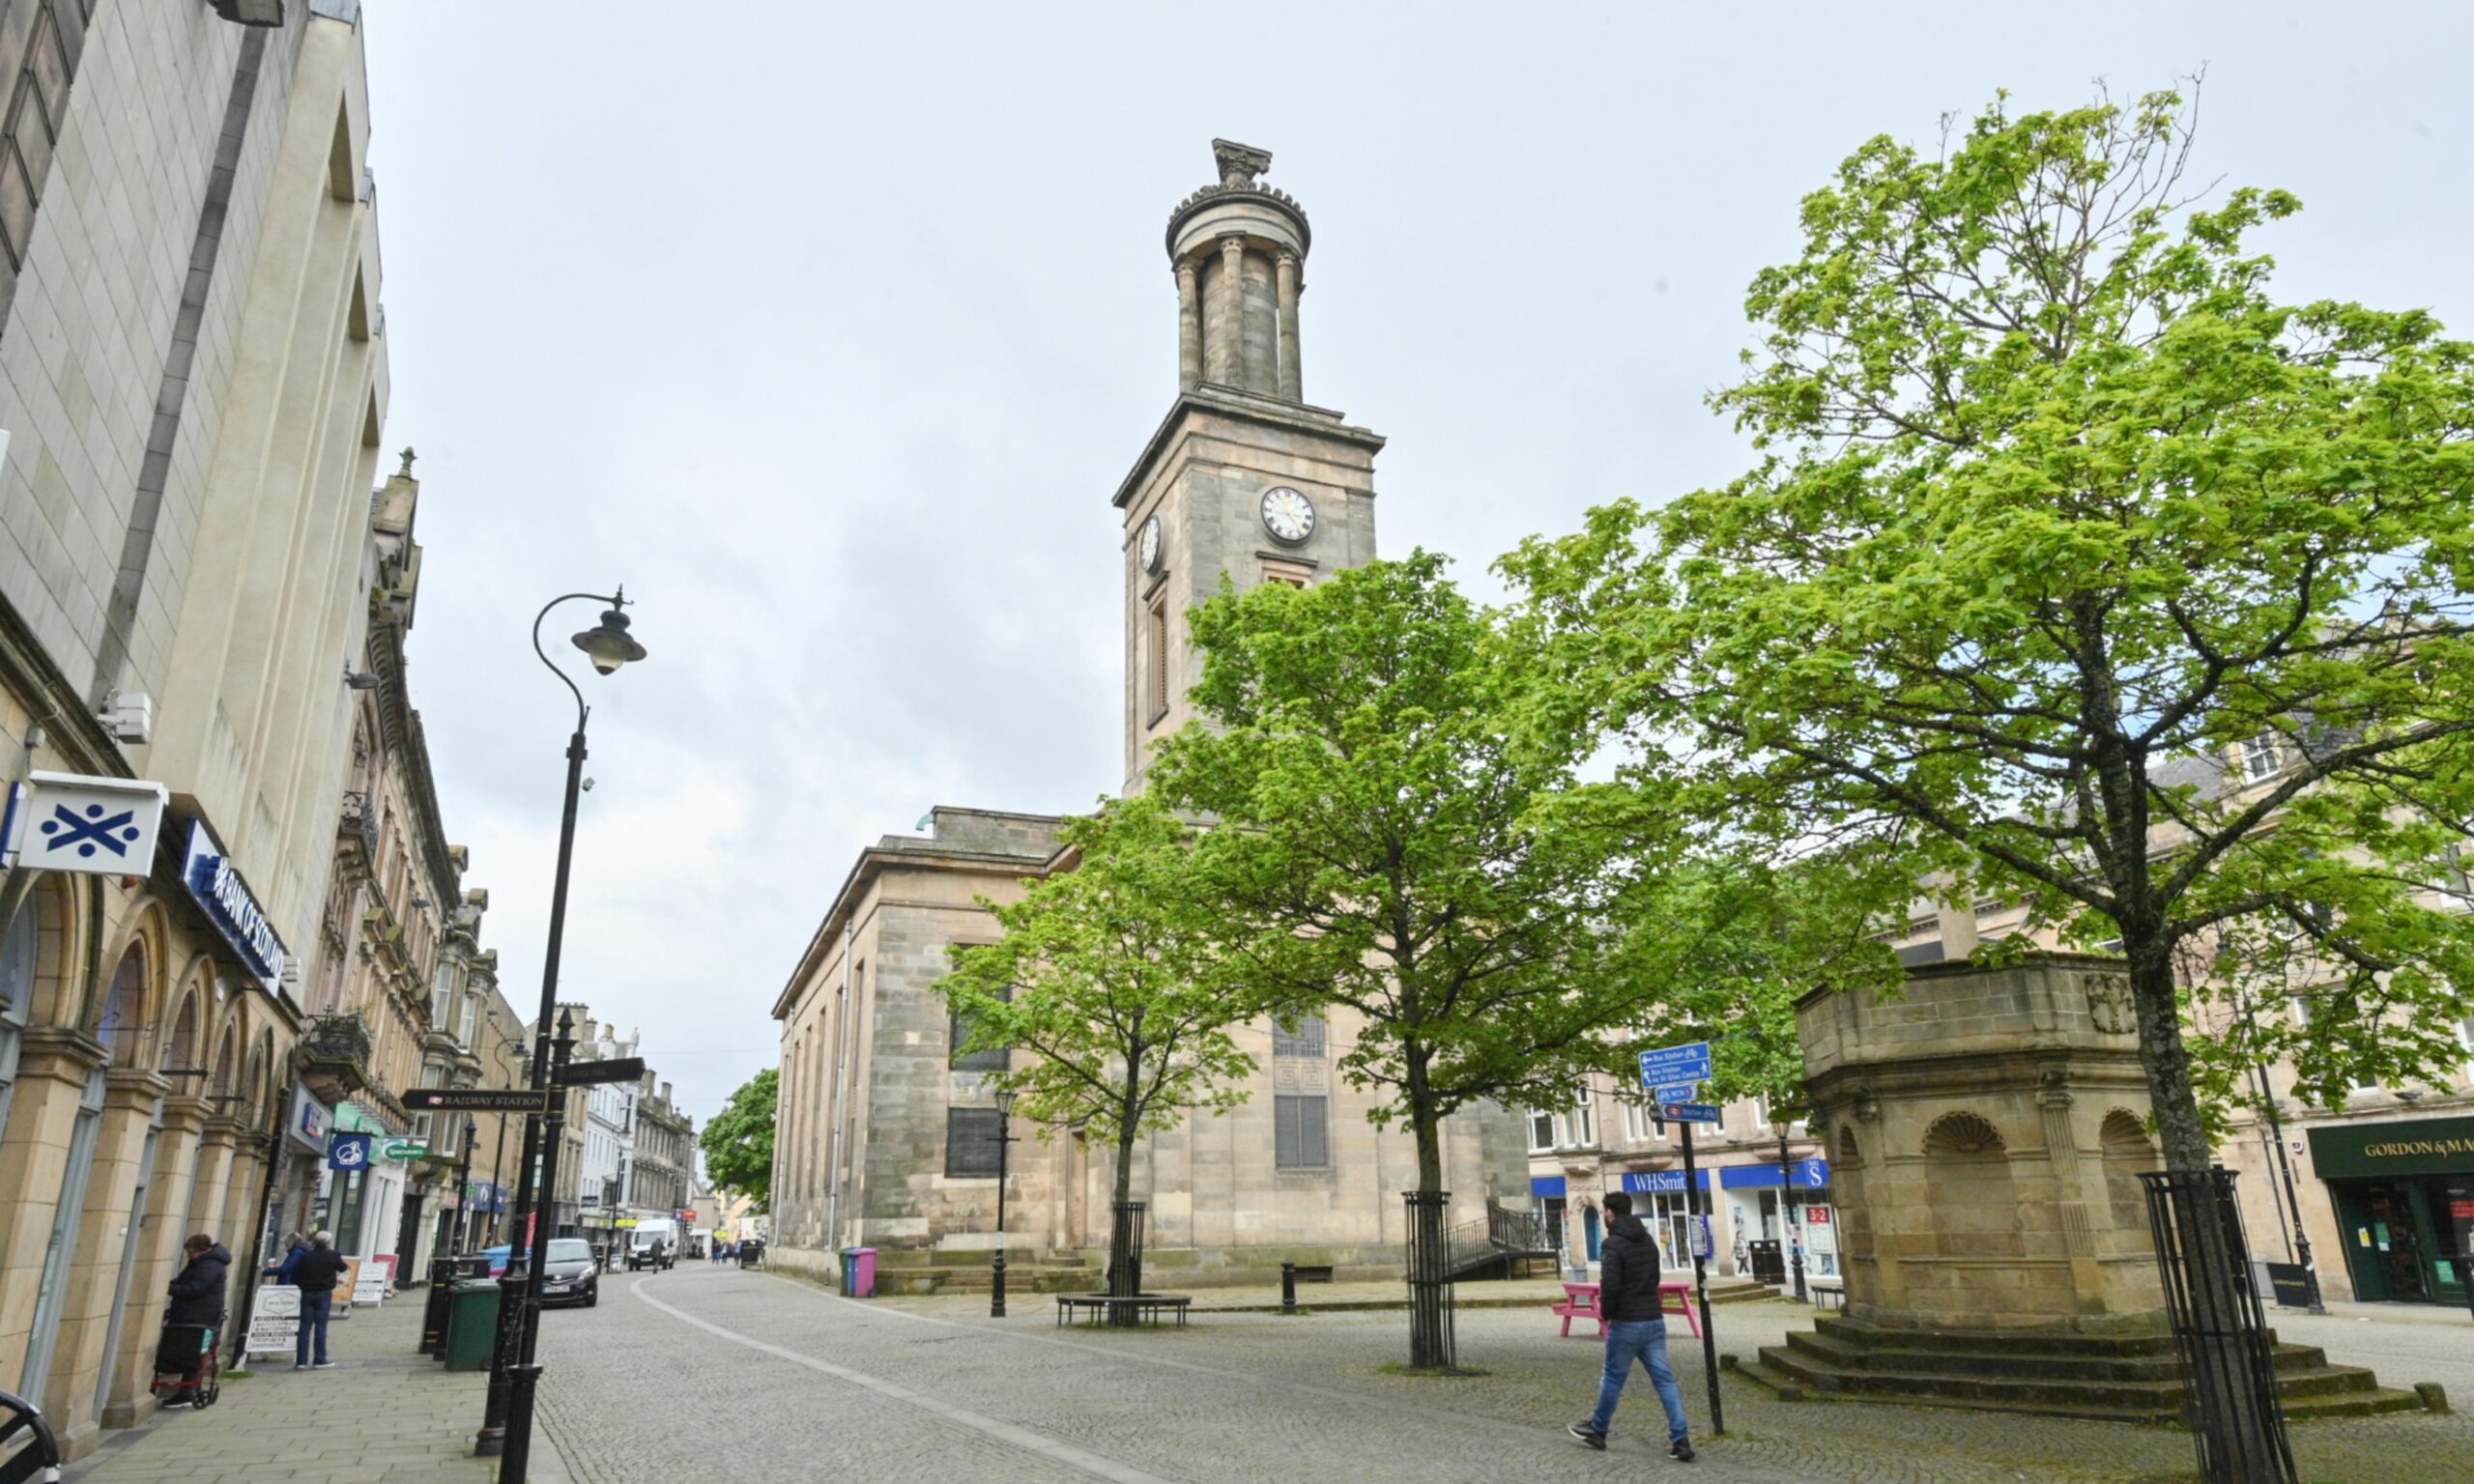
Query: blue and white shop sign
[
  {"x": 216, "y": 885},
  {"x": 348, "y": 1151},
  {"x": 69, "y": 821}
]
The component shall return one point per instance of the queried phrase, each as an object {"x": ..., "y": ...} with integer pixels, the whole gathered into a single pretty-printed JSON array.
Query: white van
[{"x": 653, "y": 1243}]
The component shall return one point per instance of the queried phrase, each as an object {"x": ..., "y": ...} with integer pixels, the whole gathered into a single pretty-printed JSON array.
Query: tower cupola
[{"x": 1239, "y": 251}]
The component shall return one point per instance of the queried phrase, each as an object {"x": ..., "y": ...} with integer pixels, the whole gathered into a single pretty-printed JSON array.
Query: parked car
[{"x": 569, "y": 1273}]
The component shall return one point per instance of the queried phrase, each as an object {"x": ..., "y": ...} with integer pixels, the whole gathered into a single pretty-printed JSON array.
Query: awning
[{"x": 1549, "y": 1186}]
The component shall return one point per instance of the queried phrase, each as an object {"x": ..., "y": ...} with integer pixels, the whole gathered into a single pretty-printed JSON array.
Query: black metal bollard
[
  {"x": 1288, "y": 1288},
  {"x": 997, "y": 1294},
  {"x": 442, "y": 1283},
  {"x": 515, "y": 1462}
]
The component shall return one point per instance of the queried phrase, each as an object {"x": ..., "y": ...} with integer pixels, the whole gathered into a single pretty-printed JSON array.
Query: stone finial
[
  {"x": 406, "y": 472},
  {"x": 1239, "y": 163}
]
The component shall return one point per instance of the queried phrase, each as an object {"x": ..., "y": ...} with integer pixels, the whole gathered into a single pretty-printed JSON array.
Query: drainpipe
[{"x": 841, "y": 1062}]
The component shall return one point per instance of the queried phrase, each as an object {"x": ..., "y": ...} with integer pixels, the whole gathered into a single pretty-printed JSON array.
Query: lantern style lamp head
[
  {"x": 1005, "y": 1104},
  {"x": 607, "y": 643}
]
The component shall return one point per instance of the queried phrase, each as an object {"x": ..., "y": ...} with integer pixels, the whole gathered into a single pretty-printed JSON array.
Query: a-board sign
[
  {"x": 477, "y": 1099},
  {"x": 615, "y": 1069},
  {"x": 276, "y": 1321}
]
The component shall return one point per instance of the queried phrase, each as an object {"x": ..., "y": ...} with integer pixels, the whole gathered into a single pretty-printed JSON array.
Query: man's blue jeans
[
  {"x": 1644, "y": 1340},
  {"x": 314, "y": 1308}
]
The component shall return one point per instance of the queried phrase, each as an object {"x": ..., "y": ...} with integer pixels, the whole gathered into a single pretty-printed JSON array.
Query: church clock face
[
  {"x": 1147, "y": 546},
  {"x": 1287, "y": 514}
]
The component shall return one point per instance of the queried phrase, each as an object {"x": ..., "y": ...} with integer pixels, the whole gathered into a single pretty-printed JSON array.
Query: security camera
[{"x": 587, "y": 785}]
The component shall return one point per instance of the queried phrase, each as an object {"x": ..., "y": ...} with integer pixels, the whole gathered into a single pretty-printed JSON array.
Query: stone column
[
  {"x": 52, "y": 1067},
  {"x": 1290, "y": 361},
  {"x": 104, "y": 1232},
  {"x": 1189, "y": 329},
  {"x": 1227, "y": 347},
  {"x": 167, "y": 1190}
]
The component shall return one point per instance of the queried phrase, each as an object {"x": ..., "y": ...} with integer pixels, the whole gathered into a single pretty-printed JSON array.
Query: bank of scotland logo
[{"x": 114, "y": 833}]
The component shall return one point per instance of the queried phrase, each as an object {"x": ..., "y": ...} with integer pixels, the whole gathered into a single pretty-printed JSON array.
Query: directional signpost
[
  {"x": 1674, "y": 1074},
  {"x": 475, "y": 1100},
  {"x": 616, "y": 1068}
]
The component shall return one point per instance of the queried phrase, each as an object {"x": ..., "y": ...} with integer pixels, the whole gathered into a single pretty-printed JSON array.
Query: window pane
[
  {"x": 1305, "y": 1041},
  {"x": 1300, "y": 1134},
  {"x": 993, "y": 1059},
  {"x": 972, "y": 1142}
]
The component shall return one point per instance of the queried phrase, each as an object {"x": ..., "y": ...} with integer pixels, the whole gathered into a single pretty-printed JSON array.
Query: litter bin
[
  {"x": 472, "y": 1325},
  {"x": 858, "y": 1272}
]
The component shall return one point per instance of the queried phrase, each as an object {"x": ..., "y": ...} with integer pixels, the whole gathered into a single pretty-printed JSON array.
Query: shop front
[
  {"x": 1764, "y": 1207},
  {"x": 1661, "y": 1202},
  {"x": 2404, "y": 1195}
]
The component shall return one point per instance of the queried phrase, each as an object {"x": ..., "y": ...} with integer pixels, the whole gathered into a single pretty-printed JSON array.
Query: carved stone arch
[
  {"x": 123, "y": 1023},
  {"x": 1848, "y": 1153},
  {"x": 1963, "y": 1135},
  {"x": 2125, "y": 1152},
  {"x": 256, "y": 1086}
]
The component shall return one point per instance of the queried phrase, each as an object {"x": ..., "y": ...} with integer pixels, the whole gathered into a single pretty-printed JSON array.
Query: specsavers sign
[{"x": 2429, "y": 1146}]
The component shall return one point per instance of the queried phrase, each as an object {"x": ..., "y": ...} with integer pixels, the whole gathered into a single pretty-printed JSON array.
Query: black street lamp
[
  {"x": 508, "y": 1423},
  {"x": 1004, "y": 1141},
  {"x": 1789, "y": 1229}
]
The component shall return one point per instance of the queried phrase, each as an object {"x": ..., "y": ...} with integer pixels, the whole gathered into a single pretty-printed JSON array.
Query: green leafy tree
[
  {"x": 1109, "y": 974},
  {"x": 1361, "y": 758},
  {"x": 2126, "y": 588},
  {"x": 738, "y": 1141},
  {"x": 2061, "y": 518}
]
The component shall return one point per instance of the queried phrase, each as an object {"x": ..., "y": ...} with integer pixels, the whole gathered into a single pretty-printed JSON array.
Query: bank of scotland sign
[
  {"x": 99, "y": 826},
  {"x": 217, "y": 887}
]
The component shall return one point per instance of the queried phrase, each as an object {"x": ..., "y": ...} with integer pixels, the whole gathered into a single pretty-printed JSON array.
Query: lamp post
[
  {"x": 1789, "y": 1229},
  {"x": 608, "y": 646},
  {"x": 1004, "y": 1140}
]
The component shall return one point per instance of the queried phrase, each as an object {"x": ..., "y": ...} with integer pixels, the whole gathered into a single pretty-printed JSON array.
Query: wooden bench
[
  {"x": 1827, "y": 1292},
  {"x": 1145, "y": 1308},
  {"x": 1580, "y": 1302}
]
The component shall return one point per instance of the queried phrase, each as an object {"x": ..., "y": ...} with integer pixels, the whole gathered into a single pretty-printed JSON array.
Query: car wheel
[{"x": 591, "y": 1296}]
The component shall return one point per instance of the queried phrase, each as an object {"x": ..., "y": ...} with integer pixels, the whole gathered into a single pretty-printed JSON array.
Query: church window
[
  {"x": 1306, "y": 1040},
  {"x": 1156, "y": 662},
  {"x": 989, "y": 1059},
  {"x": 1301, "y": 1133},
  {"x": 974, "y": 1142}
]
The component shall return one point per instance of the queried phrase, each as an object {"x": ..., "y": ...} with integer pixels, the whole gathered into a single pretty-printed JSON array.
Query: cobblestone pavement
[
  {"x": 768, "y": 1379},
  {"x": 385, "y": 1414}
]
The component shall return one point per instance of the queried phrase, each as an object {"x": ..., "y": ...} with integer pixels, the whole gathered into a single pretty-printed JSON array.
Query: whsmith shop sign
[
  {"x": 214, "y": 884},
  {"x": 2430, "y": 1145}
]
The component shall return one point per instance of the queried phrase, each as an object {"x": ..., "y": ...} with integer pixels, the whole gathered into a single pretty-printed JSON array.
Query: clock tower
[{"x": 1244, "y": 478}]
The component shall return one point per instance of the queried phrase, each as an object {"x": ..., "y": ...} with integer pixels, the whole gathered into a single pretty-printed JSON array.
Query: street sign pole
[{"x": 1700, "y": 1292}]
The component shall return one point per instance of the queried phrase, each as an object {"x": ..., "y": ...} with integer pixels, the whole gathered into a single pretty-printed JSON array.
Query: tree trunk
[
  {"x": 1125, "y": 1253},
  {"x": 2227, "y": 1376},
  {"x": 1431, "y": 1327}
]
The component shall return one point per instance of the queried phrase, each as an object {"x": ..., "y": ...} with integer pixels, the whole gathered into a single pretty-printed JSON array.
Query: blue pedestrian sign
[
  {"x": 1681, "y": 1091},
  {"x": 1669, "y": 1066},
  {"x": 1688, "y": 1112},
  {"x": 348, "y": 1151}
]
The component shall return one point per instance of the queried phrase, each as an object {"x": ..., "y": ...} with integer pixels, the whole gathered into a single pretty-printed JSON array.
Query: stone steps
[{"x": 2111, "y": 1378}]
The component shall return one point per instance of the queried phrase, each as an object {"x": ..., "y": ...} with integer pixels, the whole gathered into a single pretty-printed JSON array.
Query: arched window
[
  {"x": 124, "y": 1024},
  {"x": 182, "y": 1050},
  {"x": 225, "y": 1057},
  {"x": 18, "y": 958}
]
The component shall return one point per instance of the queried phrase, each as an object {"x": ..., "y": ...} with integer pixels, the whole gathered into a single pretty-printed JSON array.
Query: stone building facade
[
  {"x": 886, "y": 1136},
  {"x": 192, "y": 393},
  {"x": 665, "y": 1171}
]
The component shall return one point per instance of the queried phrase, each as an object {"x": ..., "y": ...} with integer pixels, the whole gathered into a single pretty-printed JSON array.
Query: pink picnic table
[{"x": 1580, "y": 1302}]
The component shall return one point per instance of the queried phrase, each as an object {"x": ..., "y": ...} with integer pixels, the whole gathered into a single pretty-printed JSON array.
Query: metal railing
[{"x": 2220, "y": 1333}]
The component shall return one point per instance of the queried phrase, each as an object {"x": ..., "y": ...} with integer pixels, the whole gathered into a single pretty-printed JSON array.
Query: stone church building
[{"x": 887, "y": 1140}]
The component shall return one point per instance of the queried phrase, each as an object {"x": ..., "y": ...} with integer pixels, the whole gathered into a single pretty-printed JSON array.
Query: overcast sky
[{"x": 830, "y": 330}]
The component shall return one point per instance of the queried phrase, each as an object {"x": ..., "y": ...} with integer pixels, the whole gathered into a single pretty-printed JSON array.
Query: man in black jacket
[
  {"x": 316, "y": 1275},
  {"x": 1628, "y": 1297}
]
